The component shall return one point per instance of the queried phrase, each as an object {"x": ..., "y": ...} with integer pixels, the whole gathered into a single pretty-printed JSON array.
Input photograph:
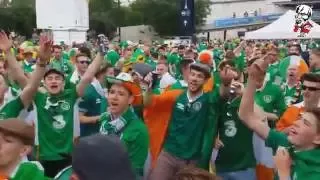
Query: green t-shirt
[
  {"x": 135, "y": 137},
  {"x": 62, "y": 65},
  {"x": 28, "y": 67},
  {"x": 274, "y": 74},
  {"x": 29, "y": 170},
  {"x": 237, "y": 153},
  {"x": 305, "y": 163},
  {"x": 11, "y": 109},
  {"x": 271, "y": 99},
  {"x": 57, "y": 123},
  {"x": 186, "y": 129},
  {"x": 292, "y": 95},
  {"x": 91, "y": 104}
]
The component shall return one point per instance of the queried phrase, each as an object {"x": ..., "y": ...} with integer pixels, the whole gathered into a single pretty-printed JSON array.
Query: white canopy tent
[{"x": 282, "y": 28}]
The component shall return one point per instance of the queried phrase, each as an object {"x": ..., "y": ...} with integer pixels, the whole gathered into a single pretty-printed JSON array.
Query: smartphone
[
  {"x": 103, "y": 44},
  {"x": 155, "y": 77}
]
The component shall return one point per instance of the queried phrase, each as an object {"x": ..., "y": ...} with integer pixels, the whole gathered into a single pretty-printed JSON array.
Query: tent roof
[{"x": 282, "y": 28}]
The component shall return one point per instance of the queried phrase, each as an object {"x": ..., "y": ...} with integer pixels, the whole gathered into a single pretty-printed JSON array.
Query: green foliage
[{"x": 106, "y": 15}]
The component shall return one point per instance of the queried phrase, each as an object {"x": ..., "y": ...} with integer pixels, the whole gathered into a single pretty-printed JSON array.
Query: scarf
[
  {"x": 97, "y": 86},
  {"x": 110, "y": 126},
  {"x": 75, "y": 77}
]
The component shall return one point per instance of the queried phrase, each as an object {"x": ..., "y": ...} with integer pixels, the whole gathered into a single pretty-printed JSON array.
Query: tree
[{"x": 164, "y": 15}]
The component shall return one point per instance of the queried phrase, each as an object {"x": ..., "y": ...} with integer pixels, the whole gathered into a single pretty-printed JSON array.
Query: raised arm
[
  {"x": 89, "y": 74},
  {"x": 45, "y": 53},
  {"x": 15, "y": 70},
  {"x": 247, "y": 113}
]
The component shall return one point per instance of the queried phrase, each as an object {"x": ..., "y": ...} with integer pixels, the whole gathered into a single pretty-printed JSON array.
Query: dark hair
[
  {"x": 312, "y": 77},
  {"x": 316, "y": 113},
  {"x": 185, "y": 63},
  {"x": 225, "y": 63},
  {"x": 205, "y": 69},
  {"x": 81, "y": 55},
  {"x": 56, "y": 47},
  {"x": 104, "y": 68},
  {"x": 85, "y": 50}
]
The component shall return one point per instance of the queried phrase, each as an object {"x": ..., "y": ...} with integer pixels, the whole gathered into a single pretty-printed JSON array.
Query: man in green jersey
[
  {"x": 120, "y": 120},
  {"x": 93, "y": 103},
  {"x": 303, "y": 139},
  {"x": 59, "y": 63},
  {"x": 235, "y": 158},
  {"x": 183, "y": 139},
  {"x": 16, "y": 141},
  {"x": 57, "y": 121}
]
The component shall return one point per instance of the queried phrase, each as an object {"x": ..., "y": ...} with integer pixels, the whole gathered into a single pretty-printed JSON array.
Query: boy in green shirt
[
  {"x": 120, "y": 120},
  {"x": 303, "y": 139},
  {"x": 93, "y": 103},
  {"x": 235, "y": 159},
  {"x": 57, "y": 117}
]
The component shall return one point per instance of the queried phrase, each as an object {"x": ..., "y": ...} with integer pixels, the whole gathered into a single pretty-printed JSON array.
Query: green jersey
[
  {"x": 11, "y": 109},
  {"x": 28, "y": 170},
  {"x": 271, "y": 99},
  {"x": 57, "y": 123},
  {"x": 134, "y": 135},
  {"x": 293, "y": 95},
  {"x": 274, "y": 75},
  {"x": 305, "y": 163},
  {"x": 93, "y": 103},
  {"x": 28, "y": 67},
  {"x": 237, "y": 153},
  {"x": 62, "y": 65},
  {"x": 185, "y": 134}
]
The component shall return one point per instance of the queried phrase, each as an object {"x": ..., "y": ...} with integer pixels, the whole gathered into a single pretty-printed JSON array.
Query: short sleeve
[
  {"x": 276, "y": 139},
  {"x": 11, "y": 109}
]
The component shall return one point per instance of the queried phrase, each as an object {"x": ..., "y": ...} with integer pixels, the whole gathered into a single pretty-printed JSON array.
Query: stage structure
[{"x": 67, "y": 19}]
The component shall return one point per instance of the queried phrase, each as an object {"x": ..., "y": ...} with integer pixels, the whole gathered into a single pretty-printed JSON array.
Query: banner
[{"x": 186, "y": 20}]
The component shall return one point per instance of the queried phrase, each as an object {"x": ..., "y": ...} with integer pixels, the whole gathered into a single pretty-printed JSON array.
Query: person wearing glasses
[
  {"x": 82, "y": 63},
  {"x": 303, "y": 139},
  {"x": 311, "y": 96}
]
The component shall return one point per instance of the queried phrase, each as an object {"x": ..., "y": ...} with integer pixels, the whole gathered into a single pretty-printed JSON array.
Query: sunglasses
[
  {"x": 84, "y": 62},
  {"x": 303, "y": 87}
]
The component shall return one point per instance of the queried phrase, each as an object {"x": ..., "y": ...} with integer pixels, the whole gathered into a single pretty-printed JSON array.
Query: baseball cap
[
  {"x": 205, "y": 69},
  {"x": 18, "y": 128},
  {"x": 53, "y": 71},
  {"x": 99, "y": 157}
]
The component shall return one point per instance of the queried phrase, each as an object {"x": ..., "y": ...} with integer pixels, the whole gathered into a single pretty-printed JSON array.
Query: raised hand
[
  {"x": 5, "y": 42},
  {"x": 283, "y": 162},
  {"x": 227, "y": 75},
  {"x": 45, "y": 48}
]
